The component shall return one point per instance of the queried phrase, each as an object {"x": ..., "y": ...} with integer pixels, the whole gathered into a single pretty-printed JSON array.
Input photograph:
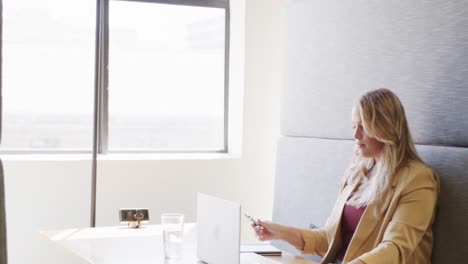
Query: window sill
[
  {"x": 168, "y": 156},
  {"x": 120, "y": 157}
]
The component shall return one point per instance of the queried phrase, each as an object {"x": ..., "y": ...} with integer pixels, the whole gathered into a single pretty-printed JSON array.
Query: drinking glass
[{"x": 173, "y": 228}]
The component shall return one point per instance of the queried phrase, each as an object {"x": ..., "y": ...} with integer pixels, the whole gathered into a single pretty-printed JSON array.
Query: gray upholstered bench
[{"x": 333, "y": 52}]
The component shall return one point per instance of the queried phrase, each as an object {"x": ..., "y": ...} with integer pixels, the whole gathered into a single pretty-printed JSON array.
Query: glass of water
[{"x": 173, "y": 228}]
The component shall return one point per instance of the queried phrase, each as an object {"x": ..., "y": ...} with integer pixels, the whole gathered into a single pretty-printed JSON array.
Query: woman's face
[{"x": 367, "y": 146}]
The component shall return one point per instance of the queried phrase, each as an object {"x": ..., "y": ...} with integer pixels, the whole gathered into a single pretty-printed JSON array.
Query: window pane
[
  {"x": 166, "y": 77},
  {"x": 48, "y": 74}
]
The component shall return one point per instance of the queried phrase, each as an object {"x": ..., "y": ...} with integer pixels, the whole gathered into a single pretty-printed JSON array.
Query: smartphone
[{"x": 251, "y": 219}]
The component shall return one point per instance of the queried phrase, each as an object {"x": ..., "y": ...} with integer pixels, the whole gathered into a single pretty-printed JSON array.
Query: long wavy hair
[{"x": 383, "y": 117}]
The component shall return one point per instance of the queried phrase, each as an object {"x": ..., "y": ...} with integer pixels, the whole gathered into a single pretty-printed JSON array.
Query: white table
[{"x": 123, "y": 245}]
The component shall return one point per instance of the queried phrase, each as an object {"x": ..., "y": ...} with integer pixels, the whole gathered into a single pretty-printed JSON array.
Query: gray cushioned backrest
[
  {"x": 308, "y": 180},
  {"x": 336, "y": 50},
  {"x": 451, "y": 226}
]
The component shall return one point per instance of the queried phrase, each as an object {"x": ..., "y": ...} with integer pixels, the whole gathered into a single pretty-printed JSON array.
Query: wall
[{"x": 45, "y": 193}]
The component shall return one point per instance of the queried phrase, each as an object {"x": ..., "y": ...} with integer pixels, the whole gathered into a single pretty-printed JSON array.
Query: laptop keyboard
[{"x": 252, "y": 258}]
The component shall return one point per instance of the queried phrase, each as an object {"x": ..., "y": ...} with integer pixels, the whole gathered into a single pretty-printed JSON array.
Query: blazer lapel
[
  {"x": 344, "y": 196},
  {"x": 372, "y": 215},
  {"x": 336, "y": 222}
]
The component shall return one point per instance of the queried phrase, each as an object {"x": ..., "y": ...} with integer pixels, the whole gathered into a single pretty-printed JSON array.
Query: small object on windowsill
[
  {"x": 134, "y": 217},
  {"x": 264, "y": 249}
]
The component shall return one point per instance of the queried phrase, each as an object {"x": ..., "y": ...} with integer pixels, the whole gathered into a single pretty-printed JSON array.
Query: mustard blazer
[{"x": 393, "y": 229}]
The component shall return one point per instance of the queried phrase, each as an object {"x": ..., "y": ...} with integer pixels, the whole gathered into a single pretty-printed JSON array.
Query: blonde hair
[{"x": 383, "y": 117}]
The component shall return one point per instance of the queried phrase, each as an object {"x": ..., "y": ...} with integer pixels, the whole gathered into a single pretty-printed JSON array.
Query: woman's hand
[
  {"x": 271, "y": 231},
  {"x": 268, "y": 230}
]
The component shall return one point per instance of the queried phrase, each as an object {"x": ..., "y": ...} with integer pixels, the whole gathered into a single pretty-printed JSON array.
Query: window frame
[{"x": 101, "y": 123}]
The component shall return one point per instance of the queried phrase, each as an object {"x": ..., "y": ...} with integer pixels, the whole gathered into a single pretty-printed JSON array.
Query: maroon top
[{"x": 349, "y": 223}]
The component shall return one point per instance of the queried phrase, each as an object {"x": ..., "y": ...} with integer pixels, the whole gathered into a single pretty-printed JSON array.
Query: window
[
  {"x": 166, "y": 77},
  {"x": 48, "y": 75},
  {"x": 158, "y": 70}
]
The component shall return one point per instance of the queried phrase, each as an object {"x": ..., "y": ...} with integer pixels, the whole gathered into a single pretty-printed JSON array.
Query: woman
[{"x": 386, "y": 205}]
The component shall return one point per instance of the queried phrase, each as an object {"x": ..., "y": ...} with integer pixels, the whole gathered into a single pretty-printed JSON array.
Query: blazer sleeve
[
  {"x": 315, "y": 241},
  {"x": 413, "y": 216}
]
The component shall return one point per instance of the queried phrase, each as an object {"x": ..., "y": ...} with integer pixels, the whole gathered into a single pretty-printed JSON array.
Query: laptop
[{"x": 218, "y": 233}]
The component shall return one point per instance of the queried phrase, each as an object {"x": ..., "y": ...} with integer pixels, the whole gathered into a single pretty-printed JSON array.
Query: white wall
[{"x": 54, "y": 194}]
